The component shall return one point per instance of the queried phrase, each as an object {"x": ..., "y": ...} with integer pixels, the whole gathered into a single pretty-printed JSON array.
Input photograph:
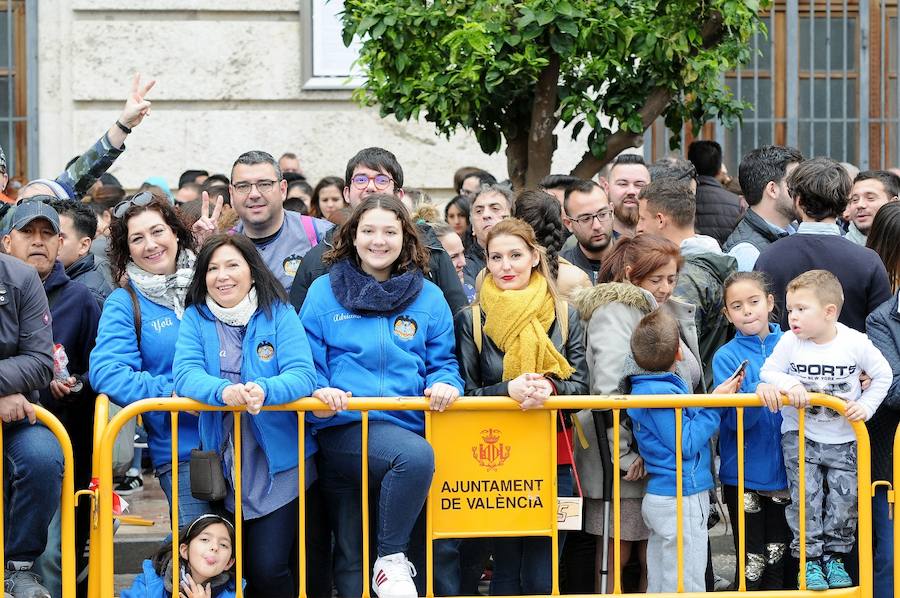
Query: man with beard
[
  {"x": 588, "y": 216},
  {"x": 871, "y": 190},
  {"x": 628, "y": 174},
  {"x": 762, "y": 176}
]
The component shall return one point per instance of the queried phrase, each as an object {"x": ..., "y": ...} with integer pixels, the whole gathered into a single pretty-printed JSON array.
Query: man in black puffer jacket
[
  {"x": 718, "y": 210},
  {"x": 376, "y": 170}
]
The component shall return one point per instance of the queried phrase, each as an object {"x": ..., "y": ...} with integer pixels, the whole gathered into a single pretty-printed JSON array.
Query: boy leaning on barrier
[
  {"x": 656, "y": 349},
  {"x": 818, "y": 354}
]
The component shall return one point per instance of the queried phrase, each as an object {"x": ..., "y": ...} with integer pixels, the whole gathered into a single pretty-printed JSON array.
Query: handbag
[
  {"x": 207, "y": 478},
  {"x": 569, "y": 508}
]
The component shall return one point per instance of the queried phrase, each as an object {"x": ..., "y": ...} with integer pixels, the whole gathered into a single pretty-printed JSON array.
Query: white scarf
[
  {"x": 168, "y": 290},
  {"x": 238, "y": 315}
]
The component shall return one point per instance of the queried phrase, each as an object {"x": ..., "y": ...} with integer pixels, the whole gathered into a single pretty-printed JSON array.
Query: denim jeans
[
  {"x": 189, "y": 508},
  {"x": 522, "y": 565},
  {"x": 401, "y": 463},
  {"x": 270, "y": 553},
  {"x": 883, "y": 530},
  {"x": 33, "y": 470}
]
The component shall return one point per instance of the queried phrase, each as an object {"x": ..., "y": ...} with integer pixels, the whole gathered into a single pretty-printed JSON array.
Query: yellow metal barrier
[
  {"x": 67, "y": 502},
  {"x": 494, "y": 404}
]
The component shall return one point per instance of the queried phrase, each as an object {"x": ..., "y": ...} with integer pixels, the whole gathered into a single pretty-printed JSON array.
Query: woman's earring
[{"x": 535, "y": 265}]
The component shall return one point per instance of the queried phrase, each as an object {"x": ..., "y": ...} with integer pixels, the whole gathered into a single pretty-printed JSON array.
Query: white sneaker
[{"x": 392, "y": 577}]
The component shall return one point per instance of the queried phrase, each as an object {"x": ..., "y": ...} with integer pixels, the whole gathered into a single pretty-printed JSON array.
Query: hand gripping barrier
[
  {"x": 492, "y": 453},
  {"x": 66, "y": 506}
]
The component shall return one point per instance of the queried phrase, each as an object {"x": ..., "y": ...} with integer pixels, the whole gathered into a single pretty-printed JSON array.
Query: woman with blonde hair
[{"x": 522, "y": 341}]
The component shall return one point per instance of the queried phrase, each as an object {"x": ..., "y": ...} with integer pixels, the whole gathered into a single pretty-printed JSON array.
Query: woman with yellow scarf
[{"x": 527, "y": 345}]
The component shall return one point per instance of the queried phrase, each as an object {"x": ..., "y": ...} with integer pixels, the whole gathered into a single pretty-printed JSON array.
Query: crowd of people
[{"x": 257, "y": 288}]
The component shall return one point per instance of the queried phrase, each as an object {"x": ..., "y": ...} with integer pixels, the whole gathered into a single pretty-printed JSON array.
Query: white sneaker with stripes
[{"x": 392, "y": 577}]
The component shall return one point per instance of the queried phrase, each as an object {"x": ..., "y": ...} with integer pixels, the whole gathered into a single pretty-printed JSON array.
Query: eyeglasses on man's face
[
  {"x": 361, "y": 181},
  {"x": 264, "y": 186},
  {"x": 587, "y": 219}
]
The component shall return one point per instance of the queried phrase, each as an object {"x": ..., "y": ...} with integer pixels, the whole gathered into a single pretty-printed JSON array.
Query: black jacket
[
  {"x": 475, "y": 263},
  {"x": 883, "y": 328},
  {"x": 483, "y": 372},
  {"x": 754, "y": 230},
  {"x": 440, "y": 270},
  {"x": 26, "y": 336},
  {"x": 94, "y": 274},
  {"x": 718, "y": 209}
]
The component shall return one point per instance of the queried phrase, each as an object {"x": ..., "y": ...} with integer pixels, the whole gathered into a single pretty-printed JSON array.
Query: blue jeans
[
  {"x": 400, "y": 462},
  {"x": 189, "y": 508},
  {"x": 883, "y": 532},
  {"x": 522, "y": 565},
  {"x": 33, "y": 470}
]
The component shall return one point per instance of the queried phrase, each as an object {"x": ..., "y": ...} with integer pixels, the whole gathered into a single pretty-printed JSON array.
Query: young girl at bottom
[
  {"x": 205, "y": 552},
  {"x": 749, "y": 305}
]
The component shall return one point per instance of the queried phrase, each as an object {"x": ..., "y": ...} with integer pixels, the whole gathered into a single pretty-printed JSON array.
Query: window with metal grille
[{"x": 13, "y": 92}]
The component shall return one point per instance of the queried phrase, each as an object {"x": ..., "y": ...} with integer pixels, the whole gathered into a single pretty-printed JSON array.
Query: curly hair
[
  {"x": 413, "y": 254},
  {"x": 118, "y": 252},
  {"x": 543, "y": 213}
]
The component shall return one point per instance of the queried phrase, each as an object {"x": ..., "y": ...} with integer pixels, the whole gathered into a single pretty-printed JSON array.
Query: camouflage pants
[{"x": 831, "y": 495}]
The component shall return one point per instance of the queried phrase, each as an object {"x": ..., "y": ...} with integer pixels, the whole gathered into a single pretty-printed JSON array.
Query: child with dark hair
[
  {"x": 656, "y": 349},
  {"x": 206, "y": 563}
]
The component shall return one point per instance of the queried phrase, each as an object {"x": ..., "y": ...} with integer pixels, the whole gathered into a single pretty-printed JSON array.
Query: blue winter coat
[
  {"x": 763, "y": 460},
  {"x": 128, "y": 372},
  {"x": 149, "y": 584},
  {"x": 275, "y": 355},
  {"x": 397, "y": 355},
  {"x": 655, "y": 433}
]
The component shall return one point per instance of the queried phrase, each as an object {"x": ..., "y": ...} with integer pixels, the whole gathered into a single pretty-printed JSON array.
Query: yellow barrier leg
[
  {"x": 679, "y": 500},
  {"x": 554, "y": 536},
  {"x": 801, "y": 492},
  {"x": 864, "y": 526},
  {"x": 238, "y": 507},
  {"x": 301, "y": 516},
  {"x": 176, "y": 569},
  {"x": 617, "y": 518},
  {"x": 364, "y": 486},
  {"x": 429, "y": 524},
  {"x": 742, "y": 524}
]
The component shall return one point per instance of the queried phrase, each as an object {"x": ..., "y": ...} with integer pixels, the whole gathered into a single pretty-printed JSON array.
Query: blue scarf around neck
[{"x": 362, "y": 294}]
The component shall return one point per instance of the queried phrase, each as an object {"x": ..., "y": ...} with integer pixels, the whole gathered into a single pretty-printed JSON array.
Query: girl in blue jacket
[
  {"x": 749, "y": 306},
  {"x": 132, "y": 358},
  {"x": 205, "y": 552},
  {"x": 377, "y": 328},
  {"x": 240, "y": 344}
]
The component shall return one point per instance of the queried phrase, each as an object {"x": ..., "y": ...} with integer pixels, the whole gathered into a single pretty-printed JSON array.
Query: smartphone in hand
[{"x": 740, "y": 369}]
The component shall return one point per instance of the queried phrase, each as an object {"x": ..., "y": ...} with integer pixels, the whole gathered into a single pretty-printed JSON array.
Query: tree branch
[
  {"x": 543, "y": 121},
  {"x": 653, "y": 107}
]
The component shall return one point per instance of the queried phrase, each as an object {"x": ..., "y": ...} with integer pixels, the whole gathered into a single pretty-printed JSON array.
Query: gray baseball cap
[{"x": 31, "y": 210}]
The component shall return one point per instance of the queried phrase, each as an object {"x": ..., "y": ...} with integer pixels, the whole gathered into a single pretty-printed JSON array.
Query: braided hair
[{"x": 543, "y": 212}]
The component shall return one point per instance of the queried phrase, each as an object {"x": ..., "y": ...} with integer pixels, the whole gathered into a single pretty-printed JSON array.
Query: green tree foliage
[{"x": 511, "y": 70}]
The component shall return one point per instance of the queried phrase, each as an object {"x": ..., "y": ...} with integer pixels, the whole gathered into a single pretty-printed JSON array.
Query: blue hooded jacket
[
  {"x": 654, "y": 430},
  {"x": 275, "y": 355},
  {"x": 150, "y": 584},
  {"x": 763, "y": 460},
  {"x": 128, "y": 372},
  {"x": 399, "y": 355}
]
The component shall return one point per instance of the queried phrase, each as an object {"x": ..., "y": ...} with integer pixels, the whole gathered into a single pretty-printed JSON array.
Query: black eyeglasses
[{"x": 141, "y": 199}]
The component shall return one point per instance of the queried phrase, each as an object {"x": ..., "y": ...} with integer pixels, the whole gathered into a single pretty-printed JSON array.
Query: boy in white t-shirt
[{"x": 819, "y": 354}]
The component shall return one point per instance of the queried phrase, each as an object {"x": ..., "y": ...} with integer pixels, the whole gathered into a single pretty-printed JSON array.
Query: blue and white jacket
[
  {"x": 127, "y": 372},
  {"x": 655, "y": 433},
  {"x": 763, "y": 461},
  {"x": 275, "y": 355},
  {"x": 150, "y": 584},
  {"x": 397, "y": 355}
]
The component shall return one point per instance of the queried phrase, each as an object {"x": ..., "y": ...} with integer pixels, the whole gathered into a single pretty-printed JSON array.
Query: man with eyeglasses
[
  {"x": 376, "y": 170},
  {"x": 258, "y": 190},
  {"x": 589, "y": 217}
]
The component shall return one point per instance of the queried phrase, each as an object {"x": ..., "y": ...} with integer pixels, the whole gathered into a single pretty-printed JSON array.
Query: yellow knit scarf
[{"x": 517, "y": 322}]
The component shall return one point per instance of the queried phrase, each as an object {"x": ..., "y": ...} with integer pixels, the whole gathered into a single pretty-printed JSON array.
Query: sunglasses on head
[{"x": 141, "y": 199}]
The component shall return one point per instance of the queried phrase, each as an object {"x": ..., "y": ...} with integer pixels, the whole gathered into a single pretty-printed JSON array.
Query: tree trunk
[
  {"x": 543, "y": 122},
  {"x": 517, "y": 155}
]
